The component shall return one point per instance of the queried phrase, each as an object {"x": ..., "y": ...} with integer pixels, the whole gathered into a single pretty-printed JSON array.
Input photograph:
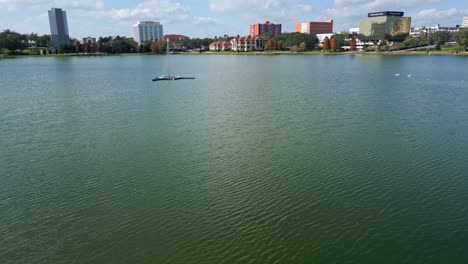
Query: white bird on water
[
  {"x": 409, "y": 75},
  {"x": 397, "y": 74}
]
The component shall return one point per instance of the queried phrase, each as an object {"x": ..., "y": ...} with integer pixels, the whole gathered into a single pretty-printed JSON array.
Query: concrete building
[
  {"x": 147, "y": 30},
  {"x": 427, "y": 31},
  {"x": 314, "y": 27},
  {"x": 465, "y": 22},
  {"x": 248, "y": 44},
  {"x": 383, "y": 25},
  {"x": 270, "y": 28},
  {"x": 58, "y": 27},
  {"x": 89, "y": 40}
]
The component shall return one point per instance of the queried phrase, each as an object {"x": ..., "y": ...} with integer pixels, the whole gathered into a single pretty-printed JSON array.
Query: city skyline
[{"x": 214, "y": 18}]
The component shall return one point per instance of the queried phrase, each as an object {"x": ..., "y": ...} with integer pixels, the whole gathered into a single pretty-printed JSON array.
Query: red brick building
[
  {"x": 314, "y": 27},
  {"x": 258, "y": 29}
]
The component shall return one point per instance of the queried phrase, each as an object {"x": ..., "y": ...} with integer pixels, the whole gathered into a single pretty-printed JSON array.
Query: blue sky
[{"x": 208, "y": 18}]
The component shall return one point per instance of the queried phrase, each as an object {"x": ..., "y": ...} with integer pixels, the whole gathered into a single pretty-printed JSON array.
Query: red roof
[
  {"x": 221, "y": 43},
  {"x": 174, "y": 37},
  {"x": 248, "y": 38}
]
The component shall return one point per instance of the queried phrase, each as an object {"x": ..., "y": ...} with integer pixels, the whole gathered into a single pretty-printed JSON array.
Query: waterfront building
[
  {"x": 221, "y": 46},
  {"x": 427, "y": 31},
  {"x": 58, "y": 27},
  {"x": 321, "y": 38},
  {"x": 147, "y": 30},
  {"x": 270, "y": 28},
  {"x": 89, "y": 40},
  {"x": 314, "y": 27},
  {"x": 247, "y": 44},
  {"x": 382, "y": 25},
  {"x": 465, "y": 22}
]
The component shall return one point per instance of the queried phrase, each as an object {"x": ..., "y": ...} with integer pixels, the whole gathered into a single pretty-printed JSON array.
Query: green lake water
[{"x": 260, "y": 159}]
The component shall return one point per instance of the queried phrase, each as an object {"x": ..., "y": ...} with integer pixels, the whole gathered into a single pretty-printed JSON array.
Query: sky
[{"x": 209, "y": 18}]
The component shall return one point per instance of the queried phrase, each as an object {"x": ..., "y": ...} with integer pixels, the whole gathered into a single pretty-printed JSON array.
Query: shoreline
[{"x": 256, "y": 53}]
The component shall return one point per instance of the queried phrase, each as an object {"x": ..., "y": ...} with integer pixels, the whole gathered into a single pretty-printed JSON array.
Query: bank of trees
[{"x": 297, "y": 42}]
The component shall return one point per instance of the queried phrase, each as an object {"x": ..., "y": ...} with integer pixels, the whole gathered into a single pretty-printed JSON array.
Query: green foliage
[
  {"x": 440, "y": 37},
  {"x": 414, "y": 42},
  {"x": 342, "y": 39},
  {"x": 462, "y": 38},
  {"x": 12, "y": 41},
  {"x": 144, "y": 47},
  {"x": 295, "y": 39},
  {"x": 197, "y": 43}
]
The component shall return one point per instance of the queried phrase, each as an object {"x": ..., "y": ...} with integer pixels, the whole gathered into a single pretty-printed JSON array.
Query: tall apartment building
[
  {"x": 58, "y": 27},
  {"x": 147, "y": 30},
  {"x": 465, "y": 22},
  {"x": 314, "y": 27},
  {"x": 258, "y": 29}
]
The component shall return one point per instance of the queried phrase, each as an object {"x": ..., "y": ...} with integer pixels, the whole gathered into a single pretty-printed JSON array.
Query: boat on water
[{"x": 171, "y": 78}]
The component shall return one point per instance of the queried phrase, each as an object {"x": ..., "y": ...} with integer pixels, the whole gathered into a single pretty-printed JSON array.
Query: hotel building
[
  {"x": 465, "y": 22},
  {"x": 258, "y": 29},
  {"x": 314, "y": 27},
  {"x": 58, "y": 27},
  {"x": 247, "y": 44},
  {"x": 147, "y": 30}
]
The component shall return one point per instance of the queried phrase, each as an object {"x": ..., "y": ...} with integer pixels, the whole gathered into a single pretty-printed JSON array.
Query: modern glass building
[
  {"x": 58, "y": 27},
  {"x": 147, "y": 30},
  {"x": 384, "y": 25}
]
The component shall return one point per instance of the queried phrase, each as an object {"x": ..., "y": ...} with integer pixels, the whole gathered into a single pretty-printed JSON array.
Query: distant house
[
  {"x": 221, "y": 46},
  {"x": 248, "y": 44}
]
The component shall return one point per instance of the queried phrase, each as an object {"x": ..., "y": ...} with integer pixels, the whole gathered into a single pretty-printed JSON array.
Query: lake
[{"x": 260, "y": 159}]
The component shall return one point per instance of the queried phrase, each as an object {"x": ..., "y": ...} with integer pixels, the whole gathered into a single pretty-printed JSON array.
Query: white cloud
[
  {"x": 287, "y": 10},
  {"x": 164, "y": 11},
  {"x": 347, "y": 13},
  {"x": 433, "y": 16},
  {"x": 44, "y": 4}
]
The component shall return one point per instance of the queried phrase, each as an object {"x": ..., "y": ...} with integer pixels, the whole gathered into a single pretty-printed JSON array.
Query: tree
[
  {"x": 326, "y": 44},
  {"x": 271, "y": 44},
  {"x": 462, "y": 38},
  {"x": 302, "y": 46},
  {"x": 440, "y": 37},
  {"x": 99, "y": 46},
  {"x": 352, "y": 44},
  {"x": 333, "y": 44},
  {"x": 290, "y": 40},
  {"x": 12, "y": 41},
  {"x": 88, "y": 48},
  {"x": 77, "y": 47},
  {"x": 295, "y": 48}
]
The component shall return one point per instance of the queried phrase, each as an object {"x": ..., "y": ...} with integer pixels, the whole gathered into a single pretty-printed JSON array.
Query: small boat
[{"x": 171, "y": 78}]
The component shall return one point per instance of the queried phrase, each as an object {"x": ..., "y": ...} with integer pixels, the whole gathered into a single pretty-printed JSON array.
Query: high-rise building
[
  {"x": 58, "y": 27},
  {"x": 270, "y": 28},
  {"x": 315, "y": 27},
  {"x": 465, "y": 22},
  {"x": 147, "y": 30},
  {"x": 384, "y": 25}
]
